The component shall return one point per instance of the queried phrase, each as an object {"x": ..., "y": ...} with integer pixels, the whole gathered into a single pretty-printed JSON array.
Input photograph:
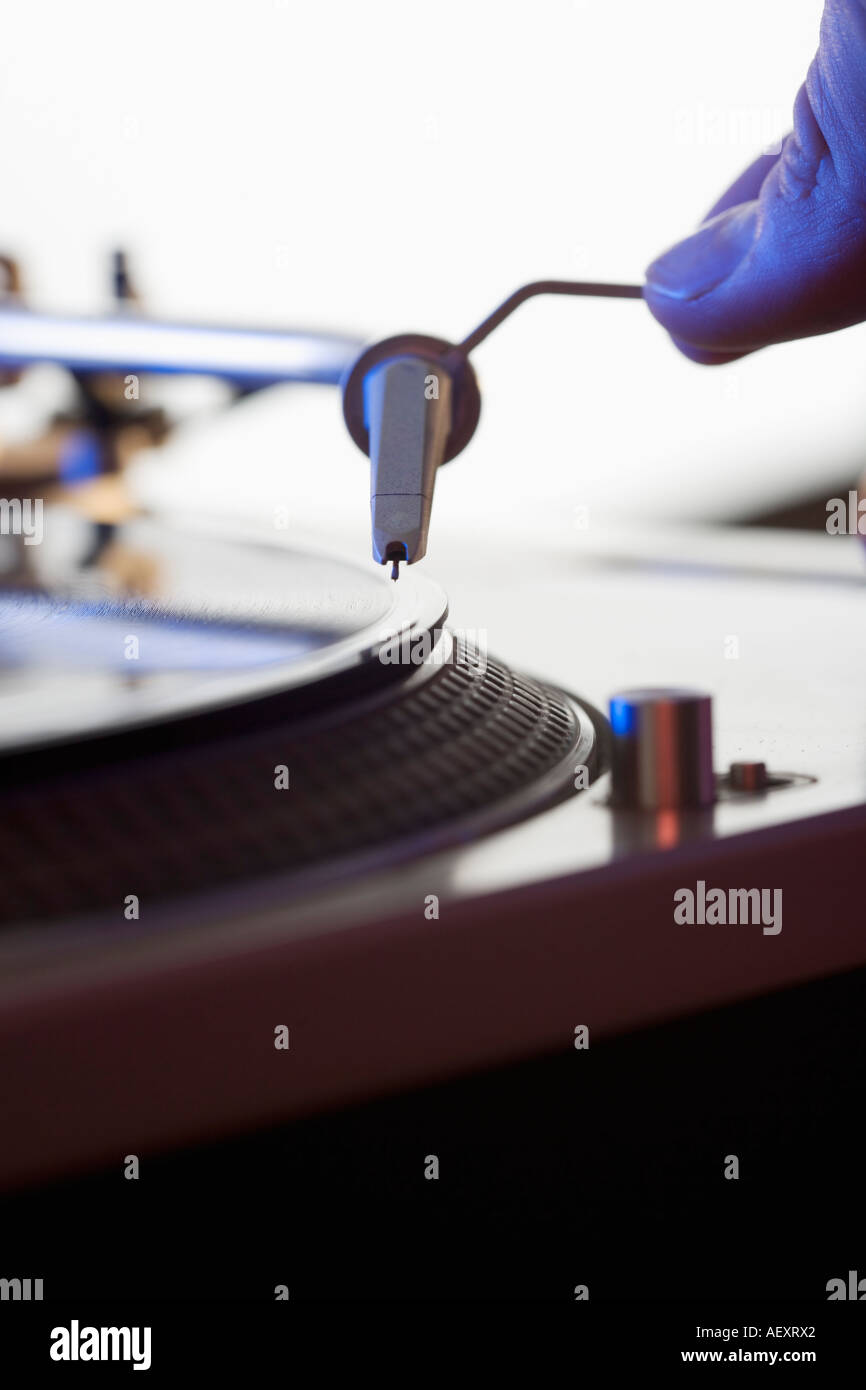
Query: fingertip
[
  {"x": 702, "y": 262},
  {"x": 673, "y": 316},
  {"x": 703, "y": 356}
]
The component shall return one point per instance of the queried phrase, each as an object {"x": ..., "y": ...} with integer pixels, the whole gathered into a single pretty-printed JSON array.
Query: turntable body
[{"x": 498, "y": 939}]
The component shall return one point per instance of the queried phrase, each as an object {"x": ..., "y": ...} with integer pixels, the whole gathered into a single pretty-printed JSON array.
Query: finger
[
  {"x": 704, "y": 357},
  {"x": 791, "y": 261},
  {"x": 746, "y": 187}
]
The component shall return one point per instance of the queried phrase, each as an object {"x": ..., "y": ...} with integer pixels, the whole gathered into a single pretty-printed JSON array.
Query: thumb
[{"x": 791, "y": 261}]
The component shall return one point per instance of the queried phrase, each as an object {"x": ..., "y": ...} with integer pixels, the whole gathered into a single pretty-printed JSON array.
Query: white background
[{"x": 389, "y": 165}]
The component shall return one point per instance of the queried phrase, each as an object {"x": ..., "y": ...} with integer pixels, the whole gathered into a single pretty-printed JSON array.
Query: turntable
[
  {"x": 241, "y": 818},
  {"x": 251, "y": 793}
]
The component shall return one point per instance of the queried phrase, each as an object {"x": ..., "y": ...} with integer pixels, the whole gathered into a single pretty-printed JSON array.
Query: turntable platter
[{"x": 261, "y": 712}]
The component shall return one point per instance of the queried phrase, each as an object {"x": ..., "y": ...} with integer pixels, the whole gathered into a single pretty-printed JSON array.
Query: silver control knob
[{"x": 662, "y": 753}]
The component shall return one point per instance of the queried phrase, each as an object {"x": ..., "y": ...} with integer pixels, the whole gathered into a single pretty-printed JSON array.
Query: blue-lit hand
[{"x": 783, "y": 254}]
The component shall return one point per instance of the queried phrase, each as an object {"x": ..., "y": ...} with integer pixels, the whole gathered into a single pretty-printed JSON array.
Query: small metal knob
[
  {"x": 662, "y": 751},
  {"x": 748, "y": 777}
]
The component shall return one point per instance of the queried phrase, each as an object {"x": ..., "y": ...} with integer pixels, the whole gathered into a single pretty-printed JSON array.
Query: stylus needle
[{"x": 408, "y": 412}]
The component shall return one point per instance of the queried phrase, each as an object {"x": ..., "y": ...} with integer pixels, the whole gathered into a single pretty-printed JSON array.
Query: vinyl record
[{"x": 226, "y": 623}]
